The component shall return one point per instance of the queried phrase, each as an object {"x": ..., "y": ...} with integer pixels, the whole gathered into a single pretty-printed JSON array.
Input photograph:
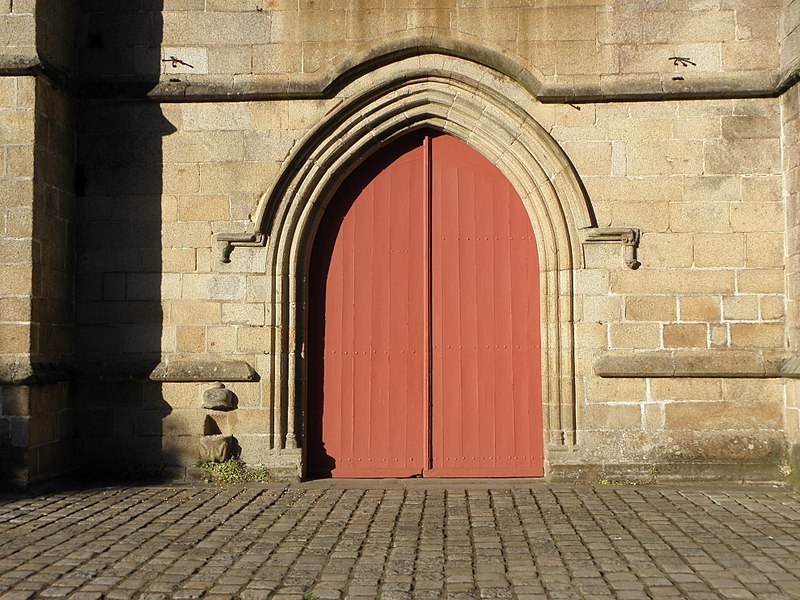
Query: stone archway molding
[{"x": 484, "y": 109}]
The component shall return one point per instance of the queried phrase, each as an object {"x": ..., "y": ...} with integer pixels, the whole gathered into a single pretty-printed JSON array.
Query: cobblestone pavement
[{"x": 402, "y": 540}]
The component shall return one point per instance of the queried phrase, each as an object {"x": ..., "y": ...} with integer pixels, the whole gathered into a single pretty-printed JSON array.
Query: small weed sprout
[
  {"x": 652, "y": 476},
  {"x": 619, "y": 482},
  {"x": 232, "y": 470}
]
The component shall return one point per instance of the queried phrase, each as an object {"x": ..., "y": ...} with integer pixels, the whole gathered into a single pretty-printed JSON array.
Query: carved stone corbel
[
  {"x": 627, "y": 236},
  {"x": 228, "y": 241}
]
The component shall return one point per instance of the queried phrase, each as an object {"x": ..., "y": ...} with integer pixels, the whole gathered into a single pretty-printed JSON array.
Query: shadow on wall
[{"x": 119, "y": 413}]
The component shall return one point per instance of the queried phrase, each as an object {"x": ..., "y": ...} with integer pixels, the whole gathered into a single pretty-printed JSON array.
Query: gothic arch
[{"x": 482, "y": 108}]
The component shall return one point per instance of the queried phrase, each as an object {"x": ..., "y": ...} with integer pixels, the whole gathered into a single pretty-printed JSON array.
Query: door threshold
[{"x": 450, "y": 483}]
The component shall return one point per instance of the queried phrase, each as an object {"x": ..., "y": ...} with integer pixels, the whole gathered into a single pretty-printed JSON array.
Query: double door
[{"x": 424, "y": 341}]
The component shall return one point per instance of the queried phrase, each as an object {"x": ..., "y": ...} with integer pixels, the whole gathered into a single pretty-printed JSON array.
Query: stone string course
[{"x": 602, "y": 47}]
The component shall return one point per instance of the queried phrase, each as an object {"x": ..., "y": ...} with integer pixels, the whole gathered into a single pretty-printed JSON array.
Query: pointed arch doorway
[{"x": 424, "y": 322}]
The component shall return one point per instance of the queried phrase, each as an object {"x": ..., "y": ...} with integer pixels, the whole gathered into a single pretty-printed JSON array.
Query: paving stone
[{"x": 416, "y": 541}]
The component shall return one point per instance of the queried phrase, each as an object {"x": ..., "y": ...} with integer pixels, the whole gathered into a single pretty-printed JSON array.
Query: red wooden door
[
  {"x": 486, "y": 409},
  {"x": 424, "y": 329},
  {"x": 368, "y": 382}
]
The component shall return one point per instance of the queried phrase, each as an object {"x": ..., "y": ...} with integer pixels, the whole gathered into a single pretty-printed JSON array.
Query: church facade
[{"x": 360, "y": 238}]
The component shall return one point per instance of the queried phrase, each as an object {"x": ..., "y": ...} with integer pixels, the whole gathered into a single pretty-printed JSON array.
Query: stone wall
[
  {"x": 17, "y": 101},
  {"x": 789, "y": 35},
  {"x": 50, "y": 440},
  {"x": 36, "y": 316},
  {"x": 791, "y": 132},
  {"x": 199, "y": 115},
  {"x": 18, "y": 30},
  {"x": 56, "y": 28},
  {"x": 790, "y": 110},
  {"x": 54, "y": 160},
  {"x": 703, "y": 182},
  {"x": 38, "y": 142},
  {"x": 160, "y": 180},
  {"x": 701, "y": 179}
]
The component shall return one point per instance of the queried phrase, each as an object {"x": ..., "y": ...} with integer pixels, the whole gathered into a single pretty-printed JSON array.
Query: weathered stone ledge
[
  {"x": 19, "y": 64},
  {"x": 31, "y": 65},
  {"x": 223, "y": 370},
  {"x": 698, "y": 363},
  {"x": 114, "y": 370},
  {"x": 29, "y": 373},
  {"x": 634, "y": 88}
]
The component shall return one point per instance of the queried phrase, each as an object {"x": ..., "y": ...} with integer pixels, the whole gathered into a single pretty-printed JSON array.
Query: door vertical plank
[
  {"x": 381, "y": 440},
  {"x": 486, "y": 282},
  {"x": 436, "y": 322},
  {"x": 504, "y": 397},
  {"x": 398, "y": 361},
  {"x": 344, "y": 418},
  {"x": 363, "y": 382},
  {"x": 448, "y": 415}
]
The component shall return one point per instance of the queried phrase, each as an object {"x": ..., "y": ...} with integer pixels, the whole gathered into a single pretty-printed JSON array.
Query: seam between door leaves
[{"x": 428, "y": 191}]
